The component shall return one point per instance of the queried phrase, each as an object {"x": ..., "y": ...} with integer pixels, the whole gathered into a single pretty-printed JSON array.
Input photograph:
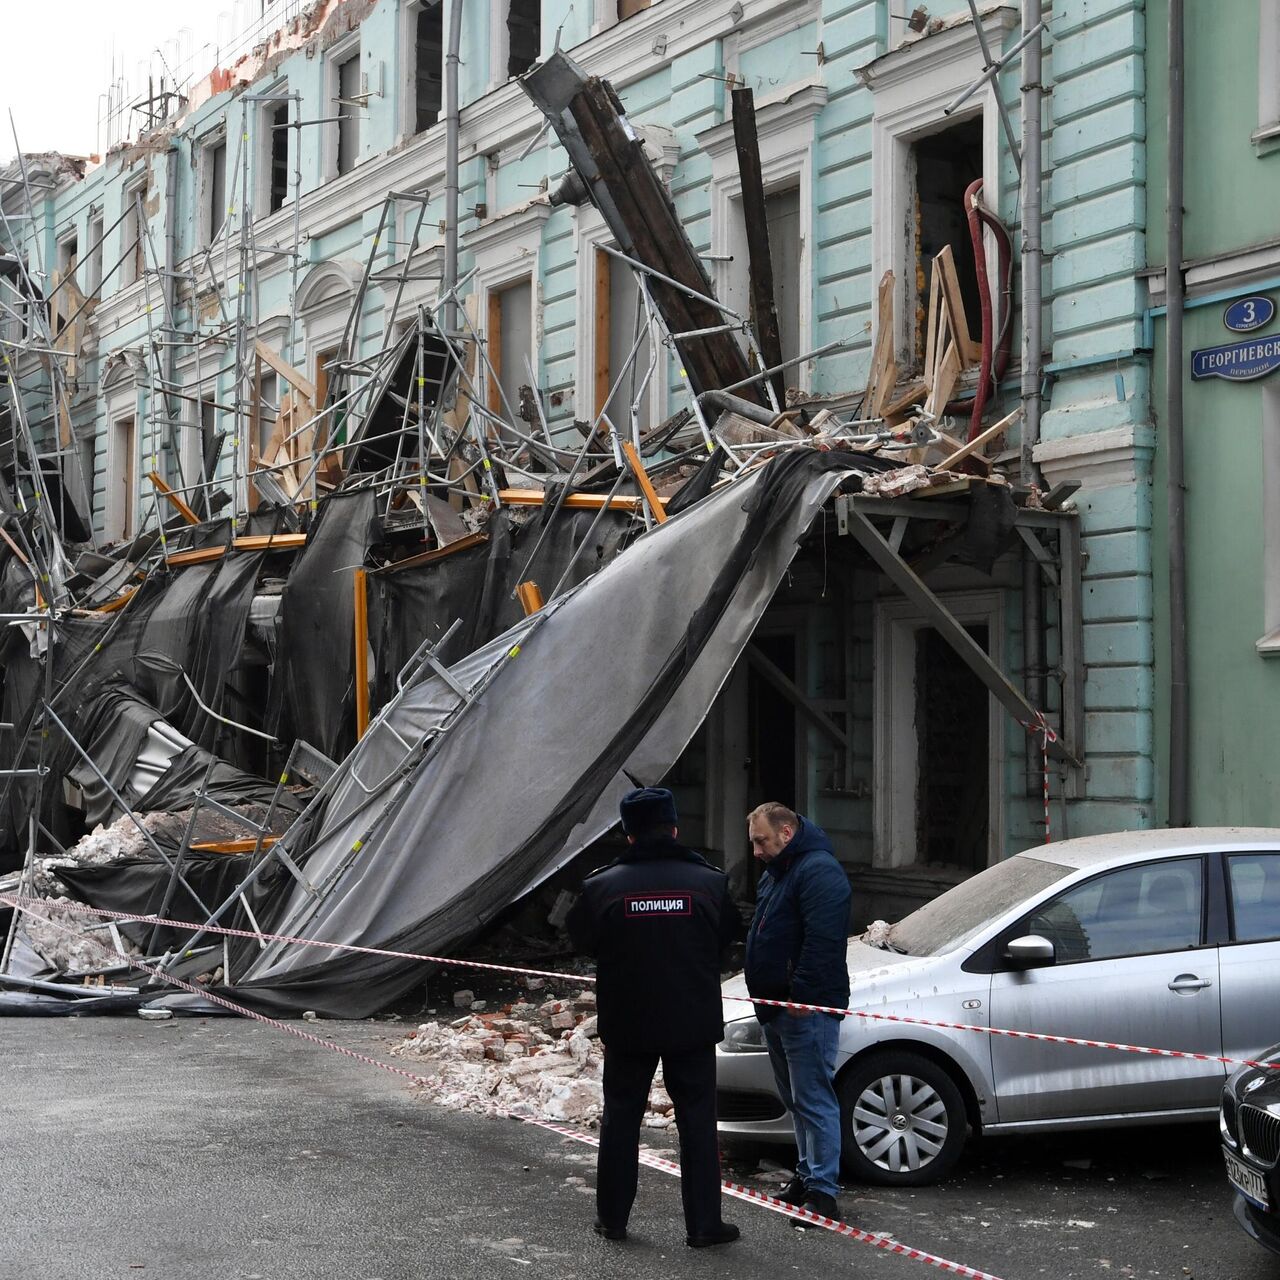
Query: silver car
[{"x": 1167, "y": 939}]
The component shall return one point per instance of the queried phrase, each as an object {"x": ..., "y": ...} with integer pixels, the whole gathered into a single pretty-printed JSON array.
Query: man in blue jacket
[{"x": 796, "y": 950}]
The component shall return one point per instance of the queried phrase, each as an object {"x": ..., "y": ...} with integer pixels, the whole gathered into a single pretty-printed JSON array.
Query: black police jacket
[{"x": 657, "y": 921}]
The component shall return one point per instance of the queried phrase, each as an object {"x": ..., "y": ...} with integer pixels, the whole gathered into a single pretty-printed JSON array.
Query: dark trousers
[{"x": 690, "y": 1079}]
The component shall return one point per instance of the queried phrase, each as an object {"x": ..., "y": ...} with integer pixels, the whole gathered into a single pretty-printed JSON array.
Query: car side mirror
[{"x": 1030, "y": 952}]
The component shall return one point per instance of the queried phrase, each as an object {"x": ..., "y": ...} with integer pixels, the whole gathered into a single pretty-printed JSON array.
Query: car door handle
[{"x": 1189, "y": 982}]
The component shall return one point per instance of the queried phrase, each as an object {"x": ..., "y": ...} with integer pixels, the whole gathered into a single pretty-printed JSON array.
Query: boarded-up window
[
  {"x": 524, "y": 35},
  {"x": 510, "y": 343},
  {"x": 617, "y": 304},
  {"x": 782, "y": 213},
  {"x": 125, "y": 476},
  {"x": 428, "y": 64},
  {"x": 629, "y": 8},
  {"x": 348, "y": 113}
]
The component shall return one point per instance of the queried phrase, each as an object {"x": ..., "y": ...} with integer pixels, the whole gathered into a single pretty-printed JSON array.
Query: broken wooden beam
[
  {"x": 656, "y": 508},
  {"x": 574, "y": 501},
  {"x": 173, "y": 499}
]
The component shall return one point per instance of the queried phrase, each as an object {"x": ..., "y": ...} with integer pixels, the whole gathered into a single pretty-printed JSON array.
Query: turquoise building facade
[{"x": 862, "y": 165}]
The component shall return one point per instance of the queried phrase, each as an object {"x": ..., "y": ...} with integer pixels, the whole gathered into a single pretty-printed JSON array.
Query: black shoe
[
  {"x": 609, "y": 1233},
  {"x": 820, "y": 1203},
  {"x": 793, "y": 1192},
  {"x": 725, "y": 1233}
]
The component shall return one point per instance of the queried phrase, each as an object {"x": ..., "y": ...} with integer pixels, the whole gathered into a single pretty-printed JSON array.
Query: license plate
[{"x": 1249, "y": 1182}]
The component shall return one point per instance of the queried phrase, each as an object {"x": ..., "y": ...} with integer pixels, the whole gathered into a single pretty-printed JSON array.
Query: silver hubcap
[{"x": 899, "y": 1123}]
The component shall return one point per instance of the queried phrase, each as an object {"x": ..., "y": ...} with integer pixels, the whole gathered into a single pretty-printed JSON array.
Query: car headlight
[
  {"x": 1227, "y": 1118},
  {"x": 744, "y": 1036}
]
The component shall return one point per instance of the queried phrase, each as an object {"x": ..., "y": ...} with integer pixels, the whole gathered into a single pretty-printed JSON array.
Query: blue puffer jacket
[{"x": 799, "y": 933}]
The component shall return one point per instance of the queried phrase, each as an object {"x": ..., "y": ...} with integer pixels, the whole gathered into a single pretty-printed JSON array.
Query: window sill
[
  {"x": 1266, "y": 139},
  {"x": 1269, "y": 645}
]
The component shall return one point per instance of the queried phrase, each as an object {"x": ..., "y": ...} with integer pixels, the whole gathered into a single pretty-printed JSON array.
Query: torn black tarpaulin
[{"x": 508, "y": 781}]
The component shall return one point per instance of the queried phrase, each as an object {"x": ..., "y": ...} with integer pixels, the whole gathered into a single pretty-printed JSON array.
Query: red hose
[{"x": 995, "y": 351}]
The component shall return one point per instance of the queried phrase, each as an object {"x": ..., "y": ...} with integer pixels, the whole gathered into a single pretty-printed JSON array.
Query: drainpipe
[
  {"x": 1179, "y": 710},
  {"x": 1032, "y": 373},
  {"x": 451, "y": 164},
  {"x": 169, "y": 288}
]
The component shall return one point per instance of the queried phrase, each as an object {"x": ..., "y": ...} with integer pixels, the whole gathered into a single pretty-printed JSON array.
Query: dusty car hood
[{"x": 873, "y": 975}]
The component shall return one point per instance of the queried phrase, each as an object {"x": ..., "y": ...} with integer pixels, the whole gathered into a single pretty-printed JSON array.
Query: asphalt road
[{"x": 221, "y": 1150}]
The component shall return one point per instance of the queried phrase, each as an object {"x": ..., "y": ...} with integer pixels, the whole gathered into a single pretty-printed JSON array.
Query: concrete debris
[
  {"x": 69, "y": 942},
  {"x": 545, "y": 1061},
  {"x": 463, "y": 999},
  {"x": 876, "y": 933}
]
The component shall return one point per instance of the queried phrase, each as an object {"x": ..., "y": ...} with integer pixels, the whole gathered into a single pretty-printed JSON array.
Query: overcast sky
[{"x": 56, "y": 60}]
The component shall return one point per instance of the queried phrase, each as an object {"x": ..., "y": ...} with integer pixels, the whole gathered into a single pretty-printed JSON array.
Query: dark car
[{"x": 1250, "y": 1124}]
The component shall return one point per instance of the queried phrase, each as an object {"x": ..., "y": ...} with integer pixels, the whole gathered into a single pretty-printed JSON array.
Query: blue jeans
[{"x": 802, "y": 1052}]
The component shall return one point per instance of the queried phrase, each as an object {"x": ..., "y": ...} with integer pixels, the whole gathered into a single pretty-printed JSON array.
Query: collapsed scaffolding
[{"x": 415, "y": 457}]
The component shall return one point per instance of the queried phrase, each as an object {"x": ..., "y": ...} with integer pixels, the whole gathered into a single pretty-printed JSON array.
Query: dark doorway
[
  {"x": 945, "y": 164},
  {"x": 771, "y": 726},
  {"x": 952, "y": 729}
]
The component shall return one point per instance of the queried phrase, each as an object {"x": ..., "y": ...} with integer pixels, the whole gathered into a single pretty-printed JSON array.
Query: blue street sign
[
  {"x": 1238, "y": 361},
  {"x": 1246, "y": 314}
]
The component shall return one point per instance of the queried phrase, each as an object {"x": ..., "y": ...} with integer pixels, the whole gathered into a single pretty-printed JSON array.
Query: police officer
[{"x": 657, "y": 921}]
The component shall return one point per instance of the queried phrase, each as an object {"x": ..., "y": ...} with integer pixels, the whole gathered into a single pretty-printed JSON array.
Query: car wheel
[{"x": 902, "y": 1118}]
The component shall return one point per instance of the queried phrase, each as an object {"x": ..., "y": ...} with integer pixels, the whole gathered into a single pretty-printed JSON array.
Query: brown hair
[{"x": 776, "y": 815}]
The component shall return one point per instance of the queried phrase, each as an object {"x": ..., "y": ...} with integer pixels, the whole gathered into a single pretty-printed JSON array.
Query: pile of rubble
[{"x": 537, "y": 1060}]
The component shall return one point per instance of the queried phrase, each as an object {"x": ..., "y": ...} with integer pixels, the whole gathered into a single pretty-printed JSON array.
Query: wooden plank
[
  {"x": 118, "y": 603},
  {"x": 173, "y": 499},
  {"x": 642, "y": 479},
  {"x": 246, "y": 845},
  {"x": 530, "y": 596},
  {"x": 270, "y": 541},
  {"x": 361, "y": 639},
  {"x": 998, "y": 429},
  {"x": 944, "y": 382},
  {"x": 574, "y": 502},
  {"x": 764, "y": 307},
  {"x": 884, "y": 369},
  {"x": 199, "y": 555},
  {"x": 286, "y": 371},
  {"x": 970, "y": 351},
  {"x": 436, "y": 553},
  {"x": 932, "y": 337}
]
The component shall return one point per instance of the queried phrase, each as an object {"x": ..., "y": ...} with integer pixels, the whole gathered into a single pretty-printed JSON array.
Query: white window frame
[
  {"x": 265, "y": 132},
  {"x": 785, "y": 131},
  {"x": 1268, "y": 129},
  {"x": 590, "y": 232},
  {"x": 123, "y": 400},
  {"x": 96, "y": 225},
  {"x": 896, "y": 764},
  {"x": 132, "y": 222},
  {"x": 505, "y": 251},
  {"x": 606, "y": 15},
  {"x": 499, "y": 43},
  {"x": 335, "y": 58},
  {"x": 207, "y": 144},
  {"x": 1268, "y": 646},
  {"x": 409, "y": 64},
  {"x": 911, "y": 87}
]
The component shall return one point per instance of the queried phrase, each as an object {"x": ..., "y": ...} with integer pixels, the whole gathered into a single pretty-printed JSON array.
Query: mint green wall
[
  {"x": 1234, "y": 692},
  {"x": 1233, "y": 185}
]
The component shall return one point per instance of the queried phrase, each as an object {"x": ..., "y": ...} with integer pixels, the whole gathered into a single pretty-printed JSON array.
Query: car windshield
[{"x": 951, "y": 918}]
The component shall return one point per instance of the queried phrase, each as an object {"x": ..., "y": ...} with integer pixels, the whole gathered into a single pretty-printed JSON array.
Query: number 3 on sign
[{"x": 1246, "y": 314}]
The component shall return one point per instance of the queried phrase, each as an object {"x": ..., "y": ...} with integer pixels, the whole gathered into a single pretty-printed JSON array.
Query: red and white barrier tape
[
  {"x": 647, "y": 1158},
  {"x": 1080, "y": 1042},
  {"x": 807, "y": 1216},
  {"x": 1047, "y": 735}
]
